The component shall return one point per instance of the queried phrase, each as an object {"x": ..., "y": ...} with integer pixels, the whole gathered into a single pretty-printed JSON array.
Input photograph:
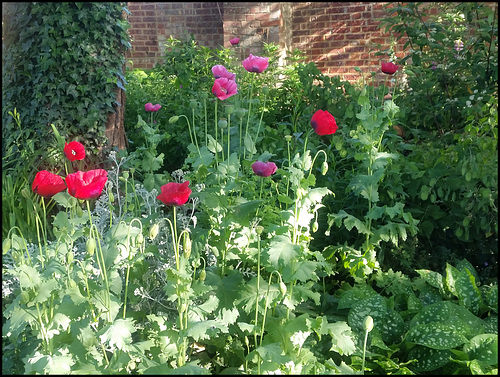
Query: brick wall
[{"x": 151, "y": 24}]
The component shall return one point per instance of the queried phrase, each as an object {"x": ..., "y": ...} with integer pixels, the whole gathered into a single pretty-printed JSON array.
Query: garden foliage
[{"x": 270, "y": 221}]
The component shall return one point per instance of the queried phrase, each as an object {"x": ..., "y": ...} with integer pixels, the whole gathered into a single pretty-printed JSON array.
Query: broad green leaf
[
  {"x": 119, "y": 334},
  {"x": 281, "y": 251},
  {"x": 435, "y": 279},
  {"x": 468, "y": 293},
  {"x": 213, "y": 146},
  {"x": 273, "y": 353},
  {"x": 374, "y": 306},
  {"x": 58, "y": 363},
  {"x": 484, "y": 348},
  {"x": 451, "y": 276},
  {"x": 428, "y": 359},
  {"x": 205, "y": 329},
  {"x": 436, "y": 335},
  {"x": 342, "y": 338}
]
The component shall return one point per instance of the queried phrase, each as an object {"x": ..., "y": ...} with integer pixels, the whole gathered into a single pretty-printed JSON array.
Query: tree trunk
[{"x": 115, "y": 129}]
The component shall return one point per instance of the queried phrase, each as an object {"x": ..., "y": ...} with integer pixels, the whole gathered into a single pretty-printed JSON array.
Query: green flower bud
[
  {"x": 111, "y": 196},
  {"x": 222, "y": 123},
  {"x": 368, "y": 323},
  {"x": 153, "y": 232},
  {"x": 139, "y": 240},
  {"x": 283, "y": 288},
  {"x": 79, "y": 211},
  {"x": 259, "y": 229},
  {"x": 247, "y": 342},
  {"x": 230, "y": 109},
  {"x": 193, "y": 104},
  {"x": 25, "y": 297},
  {"x": 240, "y": 113},
  {"x": 70, "y": 257},
  {"x": 288, "y": 138},
  {"x": 265, "y": 90},
  {"x": 203, "y": 275},
  {"x": 126, "y": 174},
  {"x": 324, "y": 168},
  {"x": 173, "y": 119},
  {"x": 6, "y": 244},
  {"x": 343, "y": 153},
  {"x": 71, "y": 283},
  {"x": 90, "y": 246},
  {"x": 25, "y": 192},
  {"x": 187, "y": 245},
  {"x": 315, "y": 227}
]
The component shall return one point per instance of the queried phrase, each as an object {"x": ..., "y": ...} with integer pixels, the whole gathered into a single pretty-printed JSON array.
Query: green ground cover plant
[{"x": 292, "y": 233}]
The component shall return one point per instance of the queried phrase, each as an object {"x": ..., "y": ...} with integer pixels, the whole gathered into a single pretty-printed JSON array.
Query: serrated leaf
[
  {"x": 436, "y": 335},
  {"x": 281, "y": 251},
  {"x": 119, "y": 334},
  {"x": 205, "y": 329},
  {"x": 272, "y": 353}
]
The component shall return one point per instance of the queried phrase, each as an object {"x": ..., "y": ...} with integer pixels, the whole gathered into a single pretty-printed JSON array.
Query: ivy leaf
[{"x": 119, "y": 334}]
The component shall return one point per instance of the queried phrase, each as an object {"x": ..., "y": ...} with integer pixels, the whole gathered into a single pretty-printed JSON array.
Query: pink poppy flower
[
  {"x": 389, "y": 68},
  {"x": 264, "y": 169},
  {"x": 47, "y": 184},
  {"x": 74, "y": 151},
  {"x": 86, "y": 185},
  {"x": 224, "y": 88},
  {"x": 221, "y": 71},
  {"x": 174, "y": 194},
  {"x": 234, "y": 41},
  {"x": 152, "y": 108},
  {"x": 323, "y": 123},
  {"x": 256, "y": 64}
]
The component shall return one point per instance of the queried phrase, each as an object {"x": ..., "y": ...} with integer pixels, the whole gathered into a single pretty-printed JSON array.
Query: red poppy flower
[
  {"x": 86, "y": 185},
  {"x": 47, "y": 184},
  {"x": 224, "y": 88},
  {"x": 152, "y": 108},
  {"x": 234, "y": 41},
  {"x": 255, "y": 63},
  {"x": 174, "y": 194},
  {"x": 74, "y": 151},
  {"x": 389, "y": 68},
  {"x": 323, "y": 123},
  {"x": 221, "y": 71},
  {"x": 264, "y": 169}
]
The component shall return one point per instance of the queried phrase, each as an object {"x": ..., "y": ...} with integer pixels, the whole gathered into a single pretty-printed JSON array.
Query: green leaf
[
  {"x": 468, "y": 293},
  {"x": 435, "y": 335},
  {"x": 428, "y": 359},
  {"x": 58, "y": 363},
  {"x": 119, "y": 334},
  {"x": 435, "y": 279},
  {"x": 273, "y": 353},
  {"x": 342, "y": 338},
  {"x": 281, "y": 251},
  {"x": 484, "y": 348}
]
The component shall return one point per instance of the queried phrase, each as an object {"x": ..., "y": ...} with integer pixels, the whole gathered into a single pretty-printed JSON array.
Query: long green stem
[
  {"x": 260, "y": 122},
  {"x": 128, "y": 265},
  {"x": 265, "y": 306},
  {"x": 249, "y": 112}
]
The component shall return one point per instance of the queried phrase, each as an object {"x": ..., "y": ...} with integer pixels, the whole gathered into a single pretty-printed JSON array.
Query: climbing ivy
[{"x": 62, "y": 63}]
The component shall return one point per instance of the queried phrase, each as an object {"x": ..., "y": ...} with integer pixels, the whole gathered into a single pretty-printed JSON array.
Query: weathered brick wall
[
  {"x": 340, "y": 36},
  {"x": 151, "y": 24}
]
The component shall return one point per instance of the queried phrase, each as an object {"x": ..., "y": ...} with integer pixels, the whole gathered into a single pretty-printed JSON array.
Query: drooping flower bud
[
  {"x": 153, "y": 232},
  {"x": 368, "y": 323},
  {"x": 173, "y": 119},
  {"x": 90, "y": 246},
  {"x": 187, "y": 245},
  {"x": 203, "y": 275},
  {"x": 324, "y": 168}
]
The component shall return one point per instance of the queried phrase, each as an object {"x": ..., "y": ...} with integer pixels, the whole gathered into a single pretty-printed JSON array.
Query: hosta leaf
[
  {"x": 484, "y": 348},
  {"x": 428, "y": 359},
  {"x": 436, "y": 335},
  {"x": 119, "y": 334}
]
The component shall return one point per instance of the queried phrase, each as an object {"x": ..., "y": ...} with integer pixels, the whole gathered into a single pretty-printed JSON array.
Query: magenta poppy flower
[
  {"x": 152, "y": 108},
  {"x": 234, "y": 41},
  {"x": 256, "y": 64},
  {"x": 174, "y": 194},
  {"x": 389, "y": 68},
  {"x": 264, "y": 169},
  {"x": 86, "y": 185},
  {"x": 74, "y": 151},
  {"x": 47, "y": 184},
  {"x": 224, "y": 88},
  {"x": 323, "y": 123},
  {"x": 221, "y": 71}
]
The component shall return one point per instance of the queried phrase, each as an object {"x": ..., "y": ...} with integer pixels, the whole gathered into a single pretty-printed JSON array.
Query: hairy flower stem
[
  {"x": 103, "y": 266},
  {"x": 249, "y": 113},
  {"x": 130, "y": 256},
  {"x": 257, "y": 294},
  {"x": 260, "y": 122}
]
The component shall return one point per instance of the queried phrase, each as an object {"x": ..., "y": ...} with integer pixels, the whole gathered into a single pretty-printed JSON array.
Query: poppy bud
[
  {"x": 259, "y": 229},
  {"x": 265, "y": 90},
  {"x": 283, "y": 288},
  {"x": 193, "y": 104},
  {"x": 71, "y": 283},
  {"x": 246, "y": 341},
  {"x": 6, "y": 244},
  {"x": 153, "y": 232},
  {"x": 70, "y": 257},
  {"x": 315, "y": 227},
  {"x": 139, "y": 240},
  {"x": 368, "y": 323},
  {"x": 25, "y": 297},
  {"x": 125, "y": 174},
  {"x": 79, "y": 211},
  {"x": 203, "y": 275},
  {"x": 173, "y": 119},
  {"x": 324, "y": 168},
  {"x": 288, "y": 138},
  {"x": 90, "y": 246},
  {"x": 230, "y": 110},
  {"x": 187, "y": 245}
]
